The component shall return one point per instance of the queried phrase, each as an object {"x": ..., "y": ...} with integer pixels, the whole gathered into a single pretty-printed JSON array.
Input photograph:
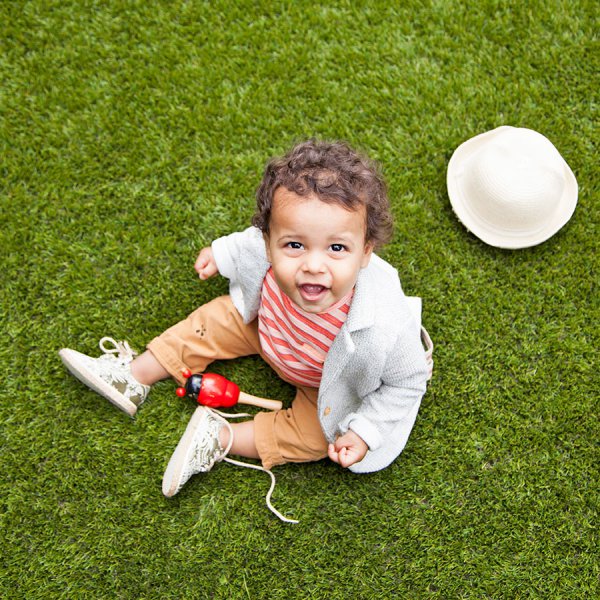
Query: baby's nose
[{"x": 314, "y": 262}]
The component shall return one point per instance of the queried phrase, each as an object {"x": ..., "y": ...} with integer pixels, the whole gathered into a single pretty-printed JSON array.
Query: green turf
[{"x": 132, "y": 134}]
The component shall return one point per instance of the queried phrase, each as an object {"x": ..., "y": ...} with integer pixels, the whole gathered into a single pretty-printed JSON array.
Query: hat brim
[{"x": 495, "y": 236}]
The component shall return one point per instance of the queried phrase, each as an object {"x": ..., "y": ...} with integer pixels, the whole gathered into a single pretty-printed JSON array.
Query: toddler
[{"x": 310, "y": 296}]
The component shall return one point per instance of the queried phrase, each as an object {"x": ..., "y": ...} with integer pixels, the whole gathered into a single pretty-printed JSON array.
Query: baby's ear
[
  {"x": 267, "y": 249},
  {"x": 368, "y": 251}
]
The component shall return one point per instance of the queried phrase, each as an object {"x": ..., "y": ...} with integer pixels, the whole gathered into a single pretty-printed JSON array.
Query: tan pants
[{"x": 216, "y": 331}]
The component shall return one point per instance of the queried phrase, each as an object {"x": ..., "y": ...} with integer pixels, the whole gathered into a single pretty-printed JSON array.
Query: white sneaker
[
  {"x": 109, "y": 375},
  {"x": 198, "y": 450}
]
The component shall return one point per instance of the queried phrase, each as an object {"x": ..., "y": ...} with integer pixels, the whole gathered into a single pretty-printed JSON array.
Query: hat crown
[
  {"x": 511, "y": 187},
  {"x": 516, "y": 181}
]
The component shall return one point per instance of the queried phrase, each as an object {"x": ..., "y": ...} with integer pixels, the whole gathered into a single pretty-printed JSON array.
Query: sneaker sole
[
  {"x": 172, "y": 476},
  {"x": 69, "y": 359}
]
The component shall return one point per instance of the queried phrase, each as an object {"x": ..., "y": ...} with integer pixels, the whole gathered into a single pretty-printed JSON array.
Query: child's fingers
[
  {"x": 331, "y": 451},
  {"x": 208, "y": 271},
  {"x": 205, "y": 265},
  {"x": 202, "y": 273},
  {"x": 336, "y": 456},
  {"x": 199, "y": 266},
  {"x": 201, "y": 262},
  {"x": 342, "y": 457},
  {"x": 345, "y": 459}
]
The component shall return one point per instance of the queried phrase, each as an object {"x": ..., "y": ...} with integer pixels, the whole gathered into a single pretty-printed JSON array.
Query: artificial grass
[{"x": 132, "y": 134}]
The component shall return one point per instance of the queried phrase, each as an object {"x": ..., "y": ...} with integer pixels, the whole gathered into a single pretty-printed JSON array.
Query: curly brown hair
[{"x": 333, "y": 172}]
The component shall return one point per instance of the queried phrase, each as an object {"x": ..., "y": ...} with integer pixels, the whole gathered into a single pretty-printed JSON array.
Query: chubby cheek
[
  {"x": 284, "y": 270},
  {"x": 344, "y": 281}
]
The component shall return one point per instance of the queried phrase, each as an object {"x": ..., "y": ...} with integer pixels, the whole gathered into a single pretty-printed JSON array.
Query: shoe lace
[
  {"x": 121, "y": 349},
  {"x": 251, "y": 466},
  {"x": 271, "y": 489}
]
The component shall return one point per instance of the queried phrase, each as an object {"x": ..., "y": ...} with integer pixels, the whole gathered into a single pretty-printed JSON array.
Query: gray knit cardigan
[{"x": 375, "y": 373}]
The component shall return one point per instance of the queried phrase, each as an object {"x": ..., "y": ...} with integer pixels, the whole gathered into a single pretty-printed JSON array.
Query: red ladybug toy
[{"x": 215, "y": 391}]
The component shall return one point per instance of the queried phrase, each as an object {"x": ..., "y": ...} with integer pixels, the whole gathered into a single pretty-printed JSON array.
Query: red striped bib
[{"x": 295, "y": 341}]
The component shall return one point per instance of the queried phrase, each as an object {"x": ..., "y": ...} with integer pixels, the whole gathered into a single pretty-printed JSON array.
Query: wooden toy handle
[{"x": 260, "y": 402}]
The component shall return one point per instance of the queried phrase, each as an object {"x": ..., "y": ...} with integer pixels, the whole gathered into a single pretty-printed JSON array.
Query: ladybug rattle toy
[{"x": 215, "y": 391}]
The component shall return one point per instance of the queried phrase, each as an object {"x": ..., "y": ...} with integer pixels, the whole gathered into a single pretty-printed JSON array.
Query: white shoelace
[
  {"x": 251, "y": 466},
  {"x": 121, "y": 349},
  {"x": 269, "y": 493}
]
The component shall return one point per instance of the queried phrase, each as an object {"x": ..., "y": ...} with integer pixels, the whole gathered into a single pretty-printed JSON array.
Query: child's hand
[
  {"x": 205, "y": 264},
  {"x": 347, "y": 449}
]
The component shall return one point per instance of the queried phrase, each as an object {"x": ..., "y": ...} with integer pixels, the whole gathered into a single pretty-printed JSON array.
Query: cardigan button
[{"x": 327, "y": 410}]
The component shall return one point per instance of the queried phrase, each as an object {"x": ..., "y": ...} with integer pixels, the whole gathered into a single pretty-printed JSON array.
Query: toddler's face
[{"x": 316, "y": 249}]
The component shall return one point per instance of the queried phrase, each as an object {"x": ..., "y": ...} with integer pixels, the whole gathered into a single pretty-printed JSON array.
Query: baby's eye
[
  {"x": 337, "y": 247},
  {"x": 294, "y": 245}
]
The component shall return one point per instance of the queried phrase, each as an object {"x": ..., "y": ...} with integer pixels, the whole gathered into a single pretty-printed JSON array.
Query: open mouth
[{"x": 310, "y": 291}]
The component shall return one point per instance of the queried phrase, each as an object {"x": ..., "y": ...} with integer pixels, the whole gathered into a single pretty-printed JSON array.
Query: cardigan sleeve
[
  {"x": 390, "y": 409},
  {"x": 241, "y": 258},
  {"x": 230, "y": 249}
]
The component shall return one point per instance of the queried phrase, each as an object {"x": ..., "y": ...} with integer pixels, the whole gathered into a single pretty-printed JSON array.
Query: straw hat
[{"x": 511, "y": 187}]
